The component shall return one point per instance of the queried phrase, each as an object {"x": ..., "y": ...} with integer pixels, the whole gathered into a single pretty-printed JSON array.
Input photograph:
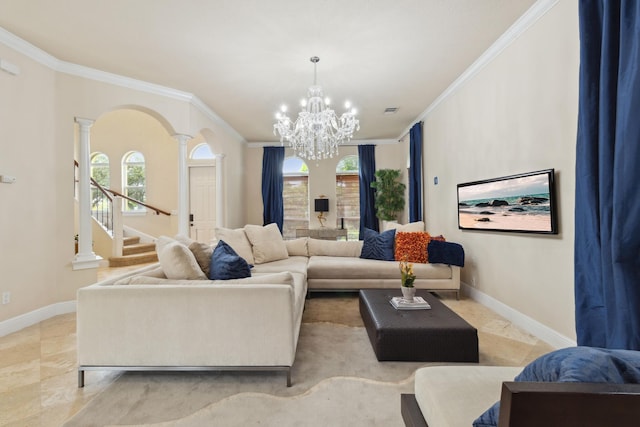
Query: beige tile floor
[{"x": 38, "y": 376}]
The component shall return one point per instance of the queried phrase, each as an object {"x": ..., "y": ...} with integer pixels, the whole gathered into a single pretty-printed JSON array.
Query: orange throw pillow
[{"x": 413, "y": 245}]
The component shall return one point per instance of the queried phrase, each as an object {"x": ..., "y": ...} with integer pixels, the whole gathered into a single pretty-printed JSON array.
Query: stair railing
[{"x": 106, "y": 208}]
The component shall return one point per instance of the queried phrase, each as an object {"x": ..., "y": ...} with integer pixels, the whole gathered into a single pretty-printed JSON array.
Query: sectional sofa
[{"x": 170, "y": 315}]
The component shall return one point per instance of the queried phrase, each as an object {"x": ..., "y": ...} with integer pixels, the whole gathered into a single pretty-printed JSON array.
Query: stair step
[
  {"x": 140, "y": 258},
  {"x": 138, "y": 248},
  {"x": 130, "y": 240}
]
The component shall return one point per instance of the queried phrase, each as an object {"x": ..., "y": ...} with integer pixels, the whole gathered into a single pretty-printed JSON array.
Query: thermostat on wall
[{"x": 7, "y": 179}]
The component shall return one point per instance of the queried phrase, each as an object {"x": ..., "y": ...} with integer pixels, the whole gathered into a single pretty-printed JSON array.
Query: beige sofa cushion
[
  {"x": 327, "y": 267},
  {"x": 177, "y": 261},
  {"x": 238, "y": 240},
  {"x": 340, "y": 248},
  {"x": 411, "y": 227},
  {"x": 297, "y": 247},
  {"x": 267, "y": 243},
  {"x": 452, "y": 396},
  {"x": 297, "y": 264},
  {"x": 282, "y": 278}
]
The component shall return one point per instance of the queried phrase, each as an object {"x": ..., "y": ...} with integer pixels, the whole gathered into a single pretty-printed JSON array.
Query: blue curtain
[
  {"x": 272, "y": 186},
  {"x": 607, "y": 202},
  {"x": 415, "y": 173},
  {"x": 367, "y": 174}
]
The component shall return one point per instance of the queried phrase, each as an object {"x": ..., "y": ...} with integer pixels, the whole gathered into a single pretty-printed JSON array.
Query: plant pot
[{"x": 408, "y": 293}]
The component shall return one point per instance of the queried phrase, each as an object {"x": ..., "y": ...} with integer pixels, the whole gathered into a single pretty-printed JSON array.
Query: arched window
[
  {"x": 295, "y": 195},
  {"x": 348, "y": 196},
  {"x": 100, "y": 174},
  {"x": 100, "y": 169},
  {"x": 134, "y": 181},
  {"x": 202, "y": 152}
]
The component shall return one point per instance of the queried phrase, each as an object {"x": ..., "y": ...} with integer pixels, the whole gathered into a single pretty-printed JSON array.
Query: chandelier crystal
[{"x": 318, "y": 131}]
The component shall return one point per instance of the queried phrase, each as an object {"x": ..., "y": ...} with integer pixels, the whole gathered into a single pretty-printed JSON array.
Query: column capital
[
  {"x": 219, "y": 156},
  {"x": 182, "y": 138},
  {"x": 84, "y": 122}
]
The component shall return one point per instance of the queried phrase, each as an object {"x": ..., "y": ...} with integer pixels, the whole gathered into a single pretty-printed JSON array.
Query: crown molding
[
  {"x": 204, "y": 109},
  {"x": 22, "y": 46},
  {"x": 530, "y": 17},
  {"x": 16, "y": 43}
]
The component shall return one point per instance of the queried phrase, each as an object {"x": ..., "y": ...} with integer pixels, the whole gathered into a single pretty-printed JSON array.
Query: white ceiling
[{"x": 244, "y": 58}]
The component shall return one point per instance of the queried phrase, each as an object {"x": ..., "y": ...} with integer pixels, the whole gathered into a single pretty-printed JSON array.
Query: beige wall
[
  {"x": 518, "y": 114},
  {"x": 322, "y": 178},
  {"x": 119, "y": 132},
  {"x": 37, "y": 145},
  {"x": 36, "y": 238}
]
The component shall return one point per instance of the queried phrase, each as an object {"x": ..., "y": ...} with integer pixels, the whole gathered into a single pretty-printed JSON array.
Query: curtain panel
[
  {"x": 607, "y": 199},
  {"x": 272, "y": 186},
  {"x": 367, "y": 174},
  {"x": 415, "y": 173}
]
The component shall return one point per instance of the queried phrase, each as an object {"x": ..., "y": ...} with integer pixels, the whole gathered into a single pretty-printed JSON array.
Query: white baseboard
[
  {"x": 15, "y": 324},
  {"x": 545, "y": 333}
]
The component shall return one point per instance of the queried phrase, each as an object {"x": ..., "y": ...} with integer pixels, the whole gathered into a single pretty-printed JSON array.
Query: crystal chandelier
[{"x": 318, "y": 131}]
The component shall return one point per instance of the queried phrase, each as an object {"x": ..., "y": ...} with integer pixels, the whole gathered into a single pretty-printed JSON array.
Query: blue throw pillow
[
  {"x": 227, "y": 264},
  {"x": 575, "y": 364},
  {"x": 441, "y": 252},
  {"x": 378, "y": 245}
]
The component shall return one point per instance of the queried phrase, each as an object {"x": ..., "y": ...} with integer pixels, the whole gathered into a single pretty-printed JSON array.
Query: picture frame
[{"x": 522, "y": 203}]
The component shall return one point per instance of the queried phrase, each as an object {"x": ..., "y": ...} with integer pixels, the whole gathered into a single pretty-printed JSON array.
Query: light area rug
[{"x": 337, "y": 381}]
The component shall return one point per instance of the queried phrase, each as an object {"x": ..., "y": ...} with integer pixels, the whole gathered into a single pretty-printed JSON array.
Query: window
[
  {"x": 134, "y": 181},
  {"x": 295, "y": 195},
  {"x": 348, "y": 196},
  {"x": 100, "y": 174},
  {"x": 202, "y": 152}
]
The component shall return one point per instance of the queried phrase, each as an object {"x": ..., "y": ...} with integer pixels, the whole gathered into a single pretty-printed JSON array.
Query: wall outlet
[
  {"x": 6, "y": 297},
  {"x": 473, "y": 281}
]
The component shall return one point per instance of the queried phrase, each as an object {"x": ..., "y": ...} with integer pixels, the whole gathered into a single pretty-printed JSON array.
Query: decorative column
[
  {"x": 183, "y": 185},
  {"x": 220, "y": 211},
  {"x": 85, "y": 258}
]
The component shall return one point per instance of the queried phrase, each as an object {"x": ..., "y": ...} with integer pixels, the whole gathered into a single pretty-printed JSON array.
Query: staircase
[{"x": 134, "y": 252}]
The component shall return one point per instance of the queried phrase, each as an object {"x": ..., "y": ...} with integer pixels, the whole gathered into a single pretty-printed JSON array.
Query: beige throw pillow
[
  {"x": 267, "y": 243},
  {"x": 237, "y": 239},
  {"x": 201, "y": 251},
  {"x": 177, "y": 261}
]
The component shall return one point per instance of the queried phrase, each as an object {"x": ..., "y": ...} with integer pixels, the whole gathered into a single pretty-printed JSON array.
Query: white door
[{"x": 202, "y": 200}]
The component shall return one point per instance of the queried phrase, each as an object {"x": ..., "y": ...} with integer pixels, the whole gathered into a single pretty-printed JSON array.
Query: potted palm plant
[{"x": 389, "y": 199}]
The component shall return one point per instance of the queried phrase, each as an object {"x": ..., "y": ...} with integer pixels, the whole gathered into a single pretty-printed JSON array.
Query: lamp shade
[{"x": 321, "y": 205}]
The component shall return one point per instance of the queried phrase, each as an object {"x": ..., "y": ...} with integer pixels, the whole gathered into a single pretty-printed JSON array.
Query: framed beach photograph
[{"x": 523, "y": 203}]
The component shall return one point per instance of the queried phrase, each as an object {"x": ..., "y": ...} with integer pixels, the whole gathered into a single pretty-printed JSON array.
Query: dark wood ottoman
[{"x": 435, "y": 335}]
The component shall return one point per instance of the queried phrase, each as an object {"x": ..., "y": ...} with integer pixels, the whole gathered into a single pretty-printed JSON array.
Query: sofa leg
[
  {"x": 289, "y": 377},
  {"x": 80, "y": 378},
  {"x": 457, "y": 295}
]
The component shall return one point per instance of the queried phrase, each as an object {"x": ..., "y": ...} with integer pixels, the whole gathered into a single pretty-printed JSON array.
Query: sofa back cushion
[
  {"x": 238, "y": 240},
  {"x": 318, "y": 247},
  {"x": 297, "y": 247},
  {"x": 266, "y": 243},
  {"x": 177, "y": 261},
  {"x": 408, "y": 228}
]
